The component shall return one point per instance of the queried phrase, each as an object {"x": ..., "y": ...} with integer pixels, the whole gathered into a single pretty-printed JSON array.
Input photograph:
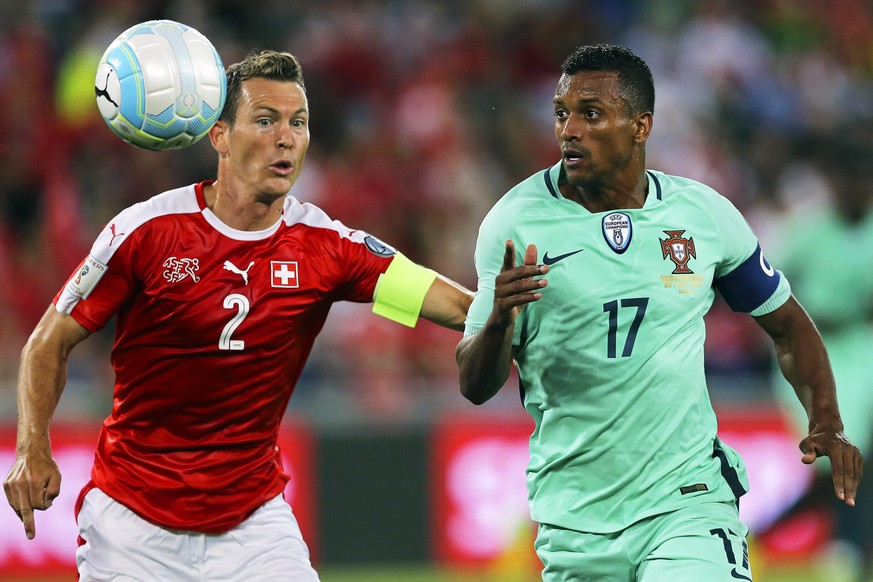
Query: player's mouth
[
  {"x": 573, "y": 157},
  {"x": 282, "y": 167}
]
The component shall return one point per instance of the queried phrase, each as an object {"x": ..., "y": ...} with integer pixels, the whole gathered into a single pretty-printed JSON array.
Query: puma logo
[
  {"x": 103, "y": 92},
  {"x": 114, "y": 234},
  {"x": 234, "y": 269}
]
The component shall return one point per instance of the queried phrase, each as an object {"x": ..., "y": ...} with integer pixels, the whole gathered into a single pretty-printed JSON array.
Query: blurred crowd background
[{"x": 423, "y": 115}]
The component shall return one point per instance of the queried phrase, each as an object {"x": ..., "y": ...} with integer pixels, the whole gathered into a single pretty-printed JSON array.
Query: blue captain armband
[
  {"x": 401, "y": 289},
  {"x": 754, "y": 287}
]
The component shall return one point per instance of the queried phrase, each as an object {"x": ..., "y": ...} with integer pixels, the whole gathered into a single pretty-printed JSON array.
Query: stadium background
[{"x": 423, "y": 114}]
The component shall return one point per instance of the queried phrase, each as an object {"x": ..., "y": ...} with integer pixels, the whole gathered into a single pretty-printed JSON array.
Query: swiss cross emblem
[
  {"x": 284, "y": 274},
  {"x": 679, "y": 249}
]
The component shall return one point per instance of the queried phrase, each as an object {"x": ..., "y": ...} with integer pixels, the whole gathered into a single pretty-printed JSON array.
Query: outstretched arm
[
  {"x": 34, "y": 479},
  {"x": 407, "y": 291},
  {"x": 804, "y": 363},
  {"x": 446, "y": 303},
  {"x": 484, "y": 358}
]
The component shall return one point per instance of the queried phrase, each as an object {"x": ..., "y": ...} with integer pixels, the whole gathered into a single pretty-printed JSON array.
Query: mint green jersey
[{"x": 611, "y": 358}]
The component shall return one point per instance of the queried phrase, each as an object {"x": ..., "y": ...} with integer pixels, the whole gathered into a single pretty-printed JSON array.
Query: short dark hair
[
  {"x": 635, "y": 82},
  {"x": 266, "y": 64}
]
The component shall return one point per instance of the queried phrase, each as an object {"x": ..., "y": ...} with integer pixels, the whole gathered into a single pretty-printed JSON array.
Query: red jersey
[{"x": 213, "y": 328}]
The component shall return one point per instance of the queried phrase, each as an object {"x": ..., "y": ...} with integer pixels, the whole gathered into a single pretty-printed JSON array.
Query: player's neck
[
  {"x": 606, "y": 196},
  {"x": 242, "y": 211}
]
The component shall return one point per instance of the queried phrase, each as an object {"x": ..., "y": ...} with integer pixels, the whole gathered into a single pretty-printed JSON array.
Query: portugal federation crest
[{"x": 679, "y": 249}]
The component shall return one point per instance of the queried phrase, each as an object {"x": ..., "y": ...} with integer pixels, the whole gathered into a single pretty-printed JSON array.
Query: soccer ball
[{"x": 160, "y": 85}]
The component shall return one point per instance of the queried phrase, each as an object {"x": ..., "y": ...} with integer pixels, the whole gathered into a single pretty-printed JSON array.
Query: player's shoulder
[
  {"x": 703, "y": 206},
  {"x": 539, "y": 186},
  {"x": 307, "y": 214},
  {"x": 181, "y": 200},
  {"x": 535, "y": 189},
  {"x": 123, "y": 225},
  {"x": 673, "y": 187},
  {"x": 321, "y": 226}
]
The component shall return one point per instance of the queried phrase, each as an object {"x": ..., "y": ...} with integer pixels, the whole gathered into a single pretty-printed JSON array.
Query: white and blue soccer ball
[{"x": 160, "y": 85}]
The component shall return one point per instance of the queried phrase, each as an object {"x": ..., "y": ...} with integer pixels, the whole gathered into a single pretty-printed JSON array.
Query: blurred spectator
[
  {"x": 827, "y": 253},
  {"x": 434, "y": 109}
]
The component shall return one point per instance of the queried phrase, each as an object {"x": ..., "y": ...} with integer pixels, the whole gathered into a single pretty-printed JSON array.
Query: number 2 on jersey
[
  {"x": 241, "y": 304},
  {"x": 612, "y": 308}
]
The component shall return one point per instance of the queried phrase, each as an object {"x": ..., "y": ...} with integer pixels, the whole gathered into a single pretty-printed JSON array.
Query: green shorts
[{"x": 701, "y": 542}]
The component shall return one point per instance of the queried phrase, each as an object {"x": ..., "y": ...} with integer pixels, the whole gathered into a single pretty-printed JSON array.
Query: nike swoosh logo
[
  {"x": 552, "y": 260},
  {"x": 738, "y": 576}
]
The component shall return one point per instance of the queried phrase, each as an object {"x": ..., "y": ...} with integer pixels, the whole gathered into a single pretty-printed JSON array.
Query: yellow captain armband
[{"x": 401, "y": 289}]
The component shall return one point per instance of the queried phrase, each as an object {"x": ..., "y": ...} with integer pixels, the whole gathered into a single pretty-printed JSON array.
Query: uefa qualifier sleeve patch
[{"x": 401, "y": 289}]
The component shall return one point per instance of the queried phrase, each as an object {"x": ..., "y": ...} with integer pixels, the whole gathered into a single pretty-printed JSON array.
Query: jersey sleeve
[
  {"x": 107, "y": 278},
  {"x": 746, "y": 281},
  {"x": 366, "y": 258},
  {"x": 494, "y": 231},
  {"x": 102, "y": 283}
]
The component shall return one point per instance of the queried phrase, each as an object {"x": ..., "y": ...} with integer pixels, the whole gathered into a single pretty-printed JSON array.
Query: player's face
[
  {"x": 596, "y": 133},
  {"x": 268, "y": 141}
]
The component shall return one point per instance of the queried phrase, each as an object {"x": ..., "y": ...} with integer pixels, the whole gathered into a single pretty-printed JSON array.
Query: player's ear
[
  {"x": 643, "y": 126},
  {"x": 218, "y": 137}
]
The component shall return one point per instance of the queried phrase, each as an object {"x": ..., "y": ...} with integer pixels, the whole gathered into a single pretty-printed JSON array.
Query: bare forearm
[
  {"x": 40, "y": 384},
  {"x": 484, "y": 360},
  {"x": 42, "y": 376},
  {"x": 34, "y": 479},
  {"x": 446, "y": 303},
  {"x": 804, "y": 363}
]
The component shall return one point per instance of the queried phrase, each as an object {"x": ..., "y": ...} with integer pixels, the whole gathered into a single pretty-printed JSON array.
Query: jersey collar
[{"x": 552, "y": 175}]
